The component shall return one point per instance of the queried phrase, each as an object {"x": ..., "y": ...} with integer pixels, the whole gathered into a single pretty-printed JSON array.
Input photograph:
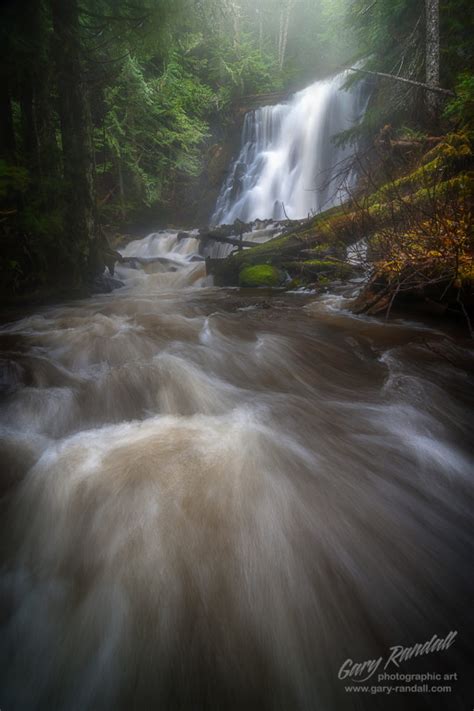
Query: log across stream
[{"x": 213, "y": 499}]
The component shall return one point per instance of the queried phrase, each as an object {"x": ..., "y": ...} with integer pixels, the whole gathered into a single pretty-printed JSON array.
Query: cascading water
[
  {"x": 288, "y": 164},
  {"x": 206, "y": 505}
]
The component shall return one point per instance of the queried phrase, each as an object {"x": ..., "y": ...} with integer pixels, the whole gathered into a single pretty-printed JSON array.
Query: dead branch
[
  {"x": 419, "y": 84},
  {"x": 216, "y": 237}
]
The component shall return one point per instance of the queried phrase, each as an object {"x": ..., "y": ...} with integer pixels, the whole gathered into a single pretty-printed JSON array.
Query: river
[{"x": 213, "y": 498}]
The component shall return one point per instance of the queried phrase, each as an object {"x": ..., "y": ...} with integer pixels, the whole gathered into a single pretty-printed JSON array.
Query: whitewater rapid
[{"x": 208, "y": 503}]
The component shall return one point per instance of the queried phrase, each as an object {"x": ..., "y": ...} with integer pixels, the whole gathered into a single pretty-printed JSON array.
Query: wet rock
[
  {"x": 105, "y": 284},
  {"x": 219, "y": 158}
]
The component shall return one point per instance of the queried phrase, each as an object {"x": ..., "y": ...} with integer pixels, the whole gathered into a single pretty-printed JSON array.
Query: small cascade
[
  {"x": 166, "y": 243},
  {"x": 289, "y": 164},
  {"x": 164, "y": 260}
]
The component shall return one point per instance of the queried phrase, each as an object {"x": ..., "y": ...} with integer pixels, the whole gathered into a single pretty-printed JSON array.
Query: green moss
[
  {"x": 320, "y": 264},
  {"x": 260, "y": 275},
  {"x": 294, "y": 284},
  {"x": 317, "y": 268},
  {"x": 321, "y": 250},
  {"x": 440, "y": 160},
  {"x": 300, "y": 237}
]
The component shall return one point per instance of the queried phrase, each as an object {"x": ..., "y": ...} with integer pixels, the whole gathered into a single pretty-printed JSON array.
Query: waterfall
[{"x": 288, "y": 162}]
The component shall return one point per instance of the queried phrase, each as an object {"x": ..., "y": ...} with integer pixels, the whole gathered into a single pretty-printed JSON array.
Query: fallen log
[
  {"x": 144, "y": 261},
  {"x": 217, "y": 237}
]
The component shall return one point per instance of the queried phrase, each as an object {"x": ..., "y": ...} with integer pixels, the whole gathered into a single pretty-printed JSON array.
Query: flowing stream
[
  {"x": 289, "y": 164},
  {"x": 212, "y": 499}
]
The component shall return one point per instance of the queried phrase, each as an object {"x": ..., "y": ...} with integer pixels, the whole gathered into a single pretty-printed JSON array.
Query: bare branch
[{"x": 419, "y": 84}]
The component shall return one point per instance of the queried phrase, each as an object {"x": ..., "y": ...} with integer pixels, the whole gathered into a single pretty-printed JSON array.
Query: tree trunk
[
  {"x": 28, "y": 132},
  {"x": 280, "y": 37},
  {"x": 76, "y": 134},
  {"x": 38, "y": 126},
  {"x": 260, "y": 29},
  {"x": 8, "y": 81},
  {"x": 7, "y": 133},
  {"x": 432, "y": 57},
  {"x": 33, "y": 68},
  {"x": 45, "y": 121},
  {"x": 285, "y": 17},
  {"x": 121, "y": 187}
]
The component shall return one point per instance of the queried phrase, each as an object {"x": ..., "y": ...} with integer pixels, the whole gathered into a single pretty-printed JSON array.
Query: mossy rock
[{"x": 260, "y": 275}]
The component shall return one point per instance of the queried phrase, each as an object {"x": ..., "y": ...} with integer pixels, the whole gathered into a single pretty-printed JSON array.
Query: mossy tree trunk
[{"x": 432, "y": 58}]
